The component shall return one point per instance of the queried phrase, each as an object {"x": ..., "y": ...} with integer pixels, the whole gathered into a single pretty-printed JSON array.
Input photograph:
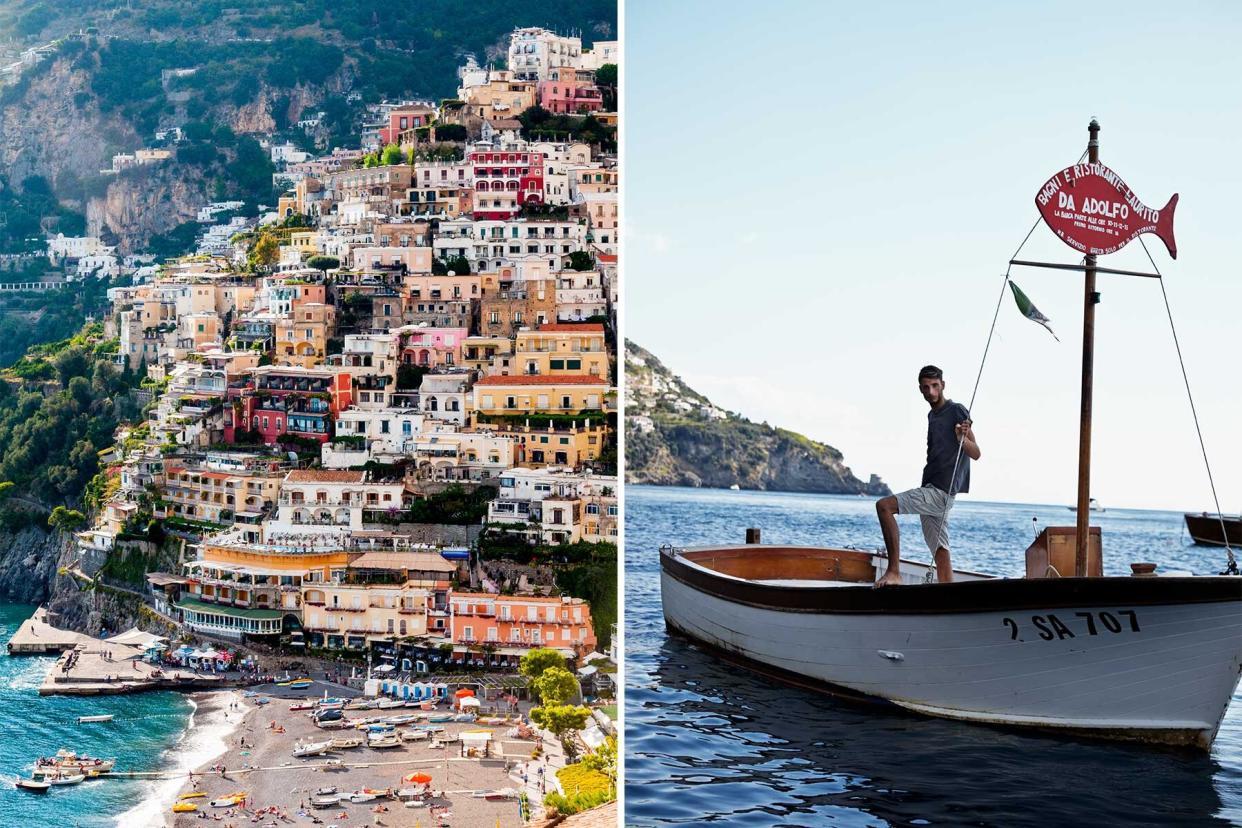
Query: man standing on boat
[{"x": 946, "y": 475}]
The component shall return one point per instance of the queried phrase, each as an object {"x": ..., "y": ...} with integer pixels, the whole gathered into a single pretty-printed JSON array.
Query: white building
[
  {"x": 601, "y": 52},
  {"x": 446, "y": 396},
  {"x": 579, "y": 295},
  {"x": 319, "y": 501},
  {"x": 534, "y": 52}
]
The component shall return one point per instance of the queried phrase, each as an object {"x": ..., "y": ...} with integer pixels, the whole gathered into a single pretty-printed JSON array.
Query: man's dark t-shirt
[{"x": 942, "y": 447}]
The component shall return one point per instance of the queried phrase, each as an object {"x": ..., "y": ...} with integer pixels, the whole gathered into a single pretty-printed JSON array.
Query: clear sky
[{"x": 821, "y": 198}]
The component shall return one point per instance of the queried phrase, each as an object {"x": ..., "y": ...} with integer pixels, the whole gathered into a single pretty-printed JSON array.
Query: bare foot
[{"x": 889, "y": 579}]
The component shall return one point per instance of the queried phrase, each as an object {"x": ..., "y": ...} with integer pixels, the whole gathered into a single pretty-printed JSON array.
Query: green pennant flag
[{"x": 1029, "y": 310}]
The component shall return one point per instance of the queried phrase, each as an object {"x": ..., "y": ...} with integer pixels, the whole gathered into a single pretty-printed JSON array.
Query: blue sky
[{"x": 822, "y": 198}]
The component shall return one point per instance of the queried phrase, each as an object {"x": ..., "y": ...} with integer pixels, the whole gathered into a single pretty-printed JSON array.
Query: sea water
[
  {"x": 708, "y": 743},
  {"x": 150, "y": 732}
]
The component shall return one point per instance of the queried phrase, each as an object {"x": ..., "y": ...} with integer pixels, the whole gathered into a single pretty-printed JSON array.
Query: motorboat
[
  {"x": 66, "y": 761},
  {"x": 327, "y": 791},
  {"x": 302, "y": 705},
  {"x": 64, "y": 779},
  {"x": 302, "y": 750},
  {"x": 32, "y": 785},
  {"x": 1093, "y": 505}
]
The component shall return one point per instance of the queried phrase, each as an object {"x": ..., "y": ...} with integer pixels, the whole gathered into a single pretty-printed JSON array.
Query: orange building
[{"x": 509, "y": 626}]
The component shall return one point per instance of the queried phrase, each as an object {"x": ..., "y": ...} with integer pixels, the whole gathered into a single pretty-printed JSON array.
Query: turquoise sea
[{"x": 149, "y": 733}]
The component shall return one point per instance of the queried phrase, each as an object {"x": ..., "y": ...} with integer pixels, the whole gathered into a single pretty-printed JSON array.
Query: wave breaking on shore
[{"x": 205, "y": 737}]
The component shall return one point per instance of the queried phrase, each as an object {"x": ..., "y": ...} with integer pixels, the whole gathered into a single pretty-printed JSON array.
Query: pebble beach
[{"x": 258, "y": 761}]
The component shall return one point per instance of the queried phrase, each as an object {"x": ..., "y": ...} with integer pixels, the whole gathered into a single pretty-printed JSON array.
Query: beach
[{"x": 257, "y": 759}]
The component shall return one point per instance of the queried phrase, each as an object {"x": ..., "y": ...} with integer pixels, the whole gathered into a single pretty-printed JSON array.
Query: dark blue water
[
  {"x": 149, "y": 733},
  {"x": 710, "y": 744}
]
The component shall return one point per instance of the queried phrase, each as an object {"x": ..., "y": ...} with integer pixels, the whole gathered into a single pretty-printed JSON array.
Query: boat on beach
[
  {"x": 1150, "y": 657},
  {"x": 301, "y": 750}
]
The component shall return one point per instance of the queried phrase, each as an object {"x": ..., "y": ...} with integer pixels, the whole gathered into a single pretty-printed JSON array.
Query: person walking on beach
[{"x": 950, "y": 448}]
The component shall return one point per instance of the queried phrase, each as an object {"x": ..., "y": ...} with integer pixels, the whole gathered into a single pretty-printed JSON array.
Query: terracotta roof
[
  {"x": 325, "y": 476},
  {"x": 607, "y": 257},
  {"x": 426, "y": 561},
  {"x": 575, "y": 379},
  {"x": 566, "y": 327}
]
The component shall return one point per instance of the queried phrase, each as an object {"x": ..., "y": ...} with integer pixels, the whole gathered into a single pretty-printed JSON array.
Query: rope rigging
[{"x": 1231, "y": 563}]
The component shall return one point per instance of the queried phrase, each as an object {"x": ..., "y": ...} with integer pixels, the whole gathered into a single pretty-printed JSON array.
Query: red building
[
  {"x": 278, "y": 400},
  {"x": 405, "y": 118},
  {"x": 511, "y": 171}
]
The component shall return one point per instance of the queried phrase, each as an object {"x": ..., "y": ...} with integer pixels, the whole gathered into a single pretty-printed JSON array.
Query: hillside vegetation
[{"x": 675, "y": 436}]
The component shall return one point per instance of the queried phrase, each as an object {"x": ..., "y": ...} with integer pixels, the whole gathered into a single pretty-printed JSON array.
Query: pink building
[
  {"x": 432, "y": 347},
  {"x": 570, "y": 91}
]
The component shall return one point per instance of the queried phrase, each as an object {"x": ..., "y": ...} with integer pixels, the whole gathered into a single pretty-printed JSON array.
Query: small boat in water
[
  {"x": 66, "y": 761},
  {"x": 32, "y": 785},
  {"x": 1208, "y": 529},
  {"x": 107, "y": 717},
  {"x": 1145, "y": 657},
  {"x": 65, "y": 779}
]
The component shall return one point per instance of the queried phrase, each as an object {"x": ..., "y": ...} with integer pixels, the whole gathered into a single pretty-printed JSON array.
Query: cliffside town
[
  {"x": 677, "y": 437},
  {"x": 381, "y": 417}
]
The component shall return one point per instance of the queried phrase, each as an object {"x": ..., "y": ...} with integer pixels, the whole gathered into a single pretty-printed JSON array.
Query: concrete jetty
[{"x": 38, "y": 637}]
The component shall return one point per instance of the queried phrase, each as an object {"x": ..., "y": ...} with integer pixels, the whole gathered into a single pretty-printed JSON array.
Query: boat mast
[{"x": 1090, "y": 299}]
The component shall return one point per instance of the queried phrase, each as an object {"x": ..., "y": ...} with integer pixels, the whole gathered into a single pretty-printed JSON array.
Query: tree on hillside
[
  {"x": 555, "y": 685},
  {"x": 606, "y": 80},
  {"x": 581, "y": 260},
  {"x": 66, "y": 520},
  {"x": 391, "y": 155},
  {"x": 323, "y": 263},
  {"x": 538, "y": 660},
  {"x": 264, "y": 252}
]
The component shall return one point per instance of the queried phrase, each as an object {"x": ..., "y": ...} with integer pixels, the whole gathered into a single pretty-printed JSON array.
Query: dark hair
[{"x": 930, "y": 372}]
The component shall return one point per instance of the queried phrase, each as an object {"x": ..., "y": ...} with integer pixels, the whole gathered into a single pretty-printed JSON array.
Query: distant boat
[
  {"x": 735, "y": 488},
  {"x": 1206, "y": 529},
  {"x": 101, "y": 718},
  {"x": 1093, "y": 505}
]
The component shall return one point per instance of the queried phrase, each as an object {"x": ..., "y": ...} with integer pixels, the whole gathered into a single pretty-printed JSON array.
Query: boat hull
[
  {"x": 1205, "y": 530},
  {"x": 1100, "y": 656}
]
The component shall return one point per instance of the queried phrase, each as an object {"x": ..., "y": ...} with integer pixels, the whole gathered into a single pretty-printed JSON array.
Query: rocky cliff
[{"x": 677, "y": 437}]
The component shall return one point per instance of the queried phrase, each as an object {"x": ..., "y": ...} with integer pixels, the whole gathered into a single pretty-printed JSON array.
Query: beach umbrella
[
  {"x": 463, "y": 692},
  {"x": 418, "y": 778}
]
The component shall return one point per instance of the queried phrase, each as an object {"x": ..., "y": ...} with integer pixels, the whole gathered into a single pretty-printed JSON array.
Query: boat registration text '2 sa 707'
[{"x": 1050, "y": 626}]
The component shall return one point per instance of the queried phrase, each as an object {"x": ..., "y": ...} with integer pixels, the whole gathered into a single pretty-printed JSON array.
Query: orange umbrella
[
  {"x": 465, "y": 691},
  {"x": 417, "y": 778}
]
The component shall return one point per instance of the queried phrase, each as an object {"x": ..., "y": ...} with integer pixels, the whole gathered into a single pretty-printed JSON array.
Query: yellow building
[
  {"x": 215, "y": 496},
  {"x": 556, "y": 444},
  {"x": 541, "y": 394},
  {"x": 561, "y": 350},
  {"x": 487, "y": 354},
  {"x": 302, "y": 339},
  {"x": 381, "y": 595}
]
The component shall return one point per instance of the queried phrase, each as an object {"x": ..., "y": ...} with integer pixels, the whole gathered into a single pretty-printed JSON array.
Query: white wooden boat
[
  {"x": 100, "y": 718},
  {"x": 345, "y": 742},
  {"x": 311, "y": 748},
  {"x": 383, "y": 740},
  {"x": 1146, "y": 658}
]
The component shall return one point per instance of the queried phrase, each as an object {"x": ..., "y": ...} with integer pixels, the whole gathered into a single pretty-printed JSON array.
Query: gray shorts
[{"x": 932, "y": 506}]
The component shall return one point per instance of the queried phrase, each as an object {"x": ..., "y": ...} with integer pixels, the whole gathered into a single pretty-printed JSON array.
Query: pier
[{"x": 38, "y": 637}]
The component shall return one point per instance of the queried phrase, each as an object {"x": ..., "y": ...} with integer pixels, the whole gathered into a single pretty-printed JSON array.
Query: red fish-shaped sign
[{"x": 1093, "y": 211}]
